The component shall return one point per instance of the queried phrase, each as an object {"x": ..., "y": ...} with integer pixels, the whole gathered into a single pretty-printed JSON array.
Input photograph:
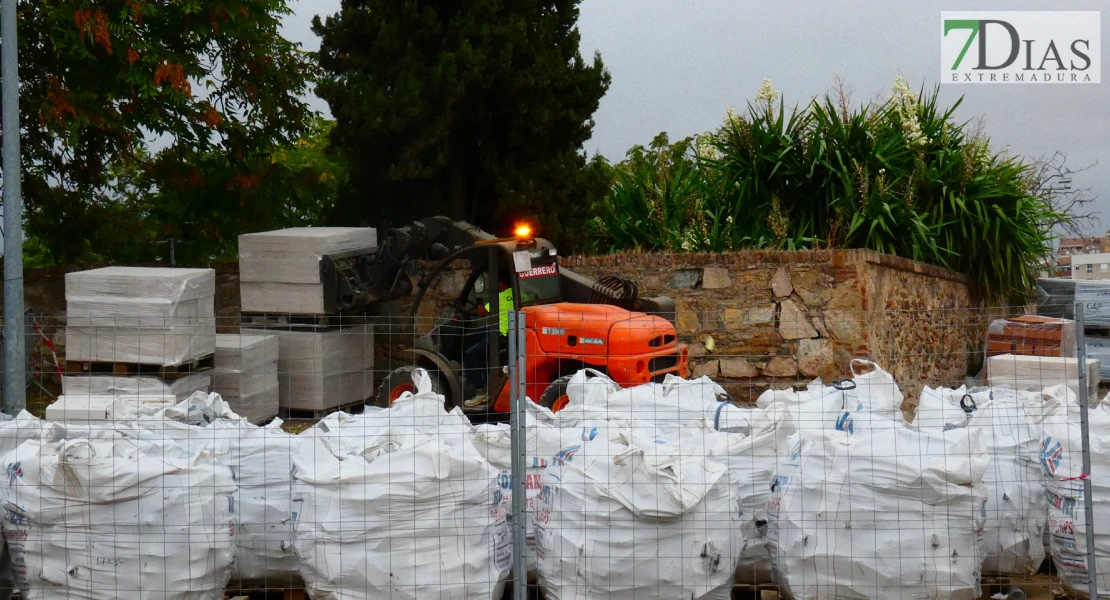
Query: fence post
[
  {"x": 517, "y": 398},
  {"x": 1088, "y": 501}
]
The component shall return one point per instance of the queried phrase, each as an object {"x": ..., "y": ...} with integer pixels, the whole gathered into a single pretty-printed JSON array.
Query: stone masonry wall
[
  {"x": 759, "y": 319},
  {"x": 753, "y": 319}
]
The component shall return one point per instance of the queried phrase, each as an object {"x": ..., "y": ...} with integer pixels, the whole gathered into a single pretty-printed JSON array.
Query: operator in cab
[{"x": 476, "y": 357}]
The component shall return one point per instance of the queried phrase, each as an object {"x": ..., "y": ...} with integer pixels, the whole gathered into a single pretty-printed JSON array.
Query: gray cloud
[{"x": 677, "y": 65}]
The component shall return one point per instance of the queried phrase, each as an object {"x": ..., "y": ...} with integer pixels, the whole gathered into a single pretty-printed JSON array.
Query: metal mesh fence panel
[{"x": 874, "y": 454}]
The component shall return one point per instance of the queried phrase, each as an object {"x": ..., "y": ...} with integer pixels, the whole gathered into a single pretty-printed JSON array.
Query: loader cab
[{"x": 528, "y": 269}]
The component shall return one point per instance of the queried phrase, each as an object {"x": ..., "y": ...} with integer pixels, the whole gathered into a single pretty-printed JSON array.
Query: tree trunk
[{"x": 458, "y": 192}]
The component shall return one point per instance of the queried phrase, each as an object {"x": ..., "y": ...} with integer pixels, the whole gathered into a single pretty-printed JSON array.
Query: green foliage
[
  {"x": 477, "y": 110},
  {"x": 210, "y": 82},
  {"x": 900, "y": 177}
]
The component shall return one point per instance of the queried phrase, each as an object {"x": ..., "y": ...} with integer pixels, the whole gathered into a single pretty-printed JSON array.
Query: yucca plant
[{"x": 899, "y": 176}]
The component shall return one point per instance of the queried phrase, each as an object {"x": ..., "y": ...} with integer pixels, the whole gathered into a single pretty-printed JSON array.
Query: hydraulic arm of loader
[
  {"x": 364, "y": 279},
  {"x": 360, "y": 279}
]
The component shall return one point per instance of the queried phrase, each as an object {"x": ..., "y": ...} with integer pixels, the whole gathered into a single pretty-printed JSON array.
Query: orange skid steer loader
[{"x": 571, "y": 322}]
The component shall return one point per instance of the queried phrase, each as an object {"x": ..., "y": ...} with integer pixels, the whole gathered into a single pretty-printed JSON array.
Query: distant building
[
  {"x": 1083, "y": 258},
  {"x": 1090, "y": 266}
]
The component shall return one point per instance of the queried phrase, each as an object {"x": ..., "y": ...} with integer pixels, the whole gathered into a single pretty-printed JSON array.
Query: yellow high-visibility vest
[{"x": 504, "y": 305}]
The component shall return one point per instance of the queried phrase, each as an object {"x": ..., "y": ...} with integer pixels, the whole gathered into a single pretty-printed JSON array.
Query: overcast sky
[{"x": 677, "y": 65}]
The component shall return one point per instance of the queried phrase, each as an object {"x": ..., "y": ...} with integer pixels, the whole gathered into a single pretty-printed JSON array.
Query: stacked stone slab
[
  {"x": 279, "y": 271},
  {"x": 320, "y": 370},
  {"x": 1038, "y": 372},
  {"x": 139, "y": 316},
  {"x": 246, "y": 374}
]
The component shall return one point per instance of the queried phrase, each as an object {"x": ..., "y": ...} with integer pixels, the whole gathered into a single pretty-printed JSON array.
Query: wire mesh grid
[{"x": 810, "y": 454}]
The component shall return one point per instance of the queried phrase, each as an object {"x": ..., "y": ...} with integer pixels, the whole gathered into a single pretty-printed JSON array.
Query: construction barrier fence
[{"x": 560, "y": 452}]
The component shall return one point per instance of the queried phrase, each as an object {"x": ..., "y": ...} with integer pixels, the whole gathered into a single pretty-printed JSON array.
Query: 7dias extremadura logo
[{"x": 1028, "y": 47}]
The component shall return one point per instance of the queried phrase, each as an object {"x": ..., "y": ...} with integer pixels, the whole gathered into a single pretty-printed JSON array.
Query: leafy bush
[{"x": 898, "y": 176}]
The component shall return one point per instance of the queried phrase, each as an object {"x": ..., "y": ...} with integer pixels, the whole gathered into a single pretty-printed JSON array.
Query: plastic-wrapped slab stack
[
  {"x": 138, "y": 390},
  {"x": 246, "y": 374},
  {"x": 398, "y": 503},
  {"x": 139, "y": 315},
  {"x": 1057, "y": 297},
  {"x": 1038, "y": 372},
  {"x": 1098, "y": 348},
  {"x": 319, "y": 370},
  {"x": 895, "y": 513},
  {"x": 279, "y": 271},
  {"x": 120, "y": 518}
]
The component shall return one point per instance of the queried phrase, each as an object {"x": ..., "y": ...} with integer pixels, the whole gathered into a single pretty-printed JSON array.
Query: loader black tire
[
  {"x": 400, "y": 381},
  {"x": 554, "y": 398}
]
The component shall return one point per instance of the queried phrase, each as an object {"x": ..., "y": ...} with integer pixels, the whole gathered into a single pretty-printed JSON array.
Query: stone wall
[
  {"x": 758, "y": 319},
  {"x": 753, "y": 319}
]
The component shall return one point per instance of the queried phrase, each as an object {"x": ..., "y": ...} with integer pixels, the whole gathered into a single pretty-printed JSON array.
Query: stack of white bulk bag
[
  {"x": 638, "y": 518},
  {"x": 116, "y": 517},
  {"x": 752, "y": 460},
  {"x": 260, "y": 459},
  {"x": 1016, "y": 509},
  {"x": 13, "y": 432},
  {"x": 748, "y": 441},
  {"x": 896, "y": 513},
  {"x": 543, "y": 444},
  {"x": 869, "y": 400},
  {"x": 1061, "y": 458},
  {"x": 400, "y": 508},
  {"x": 669, "y": 406}
]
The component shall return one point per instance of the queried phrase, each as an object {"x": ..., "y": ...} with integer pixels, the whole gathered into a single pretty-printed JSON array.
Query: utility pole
[
  {"x": 15, "y": 376},
  {"x": 172, "y": 242}
]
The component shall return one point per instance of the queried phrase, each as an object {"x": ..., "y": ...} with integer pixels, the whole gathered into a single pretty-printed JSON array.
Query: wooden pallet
[
  {"x": 286, "y": 588},
  {"x": 298, "y": 322},
  {"x": 167, "y": 373}
]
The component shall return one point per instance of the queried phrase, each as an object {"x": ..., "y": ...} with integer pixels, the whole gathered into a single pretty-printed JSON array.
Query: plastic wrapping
[
  {"x": 245, "y": 352},
  {"x": 133, "y": 388},
  {"x": 115, "y": 517},
  {"x": 429, "y": 520},
  {"x": 246, "y": 375},
  {"x": 279, "y": 271},
  {"x": 1038, "y": 372},
  {"x": 892, "y": 514},
  {"x": 318, "y": 370},
  {"x": 1032, "y": 335},
  {"x": 1056, "y": 297},
  {"x": 1098, "y": 348},
  {"x": 140, "y": 315}
]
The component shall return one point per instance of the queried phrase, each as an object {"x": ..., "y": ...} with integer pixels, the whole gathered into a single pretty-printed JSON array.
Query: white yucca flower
[
  {"x": 766, "y": 92},
  {"x": 705, "y": 148},
  {"x": 906, "y": 103}
]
